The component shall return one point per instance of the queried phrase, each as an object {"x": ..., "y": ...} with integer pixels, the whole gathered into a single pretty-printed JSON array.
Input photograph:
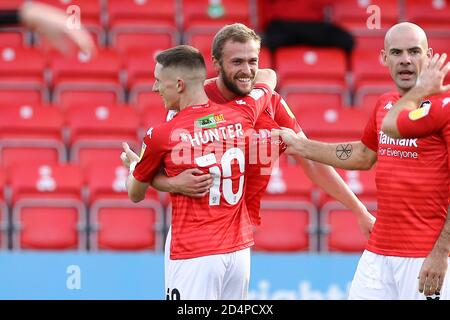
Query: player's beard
[{"x": 231, "y": 85}]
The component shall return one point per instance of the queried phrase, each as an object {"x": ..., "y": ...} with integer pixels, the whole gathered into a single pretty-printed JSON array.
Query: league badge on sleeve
[
  {"x": 144, "y": 146},
  {"x": 421, "y": 112}
]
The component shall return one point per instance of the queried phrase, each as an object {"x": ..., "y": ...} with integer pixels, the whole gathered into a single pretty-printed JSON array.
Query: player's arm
[
  {"x": 429, "y": 82},
  {"x": 135, "y": 188},
  {"x": 193, "y": 183},
  {"x": 346, "y": 155},
  {"x": 51, "y": 23},
  {"x": 434, "y": 267}
]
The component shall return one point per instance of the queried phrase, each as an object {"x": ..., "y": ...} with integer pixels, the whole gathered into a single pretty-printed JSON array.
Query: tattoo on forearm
[{"x": 344, "y": 151}]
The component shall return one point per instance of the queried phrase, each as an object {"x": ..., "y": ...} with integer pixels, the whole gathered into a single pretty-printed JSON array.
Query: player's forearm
[
  {"x": 409, "y": 101},
  {"x": 347, "y": 155},
  {"x": 161, "y": 182},
  {"x": 136, "y": 189}
]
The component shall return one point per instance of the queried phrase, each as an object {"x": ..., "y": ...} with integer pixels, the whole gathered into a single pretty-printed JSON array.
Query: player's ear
[
  {"x": 216, "y": 64},
  {"x": 180, "y": 85},
  {"x": 383, "y": 57}
]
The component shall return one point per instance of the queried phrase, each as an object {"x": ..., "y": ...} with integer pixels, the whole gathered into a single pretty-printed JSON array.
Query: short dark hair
[
  {"x": 181, "y": 56},
  {"x": 237, "y": 32}
]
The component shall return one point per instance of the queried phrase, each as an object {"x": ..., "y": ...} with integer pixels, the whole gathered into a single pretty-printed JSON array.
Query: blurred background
[{"x": 67, "y": 228}]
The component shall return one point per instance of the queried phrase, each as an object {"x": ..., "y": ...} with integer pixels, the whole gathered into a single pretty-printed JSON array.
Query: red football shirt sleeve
[
  {"x": 152, "y": 155},
  {"x": 370, "y": 135},
  {"x": 283, "y": 115},
  {"x": 421, "y": 122},
  {"x": 259, "y": 97}
]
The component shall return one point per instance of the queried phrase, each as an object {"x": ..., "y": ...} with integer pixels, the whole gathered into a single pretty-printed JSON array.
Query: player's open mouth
[{"x": 406, "y": 74}]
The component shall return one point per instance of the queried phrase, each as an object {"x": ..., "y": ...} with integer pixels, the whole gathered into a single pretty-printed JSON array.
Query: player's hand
[
  {"x": 193, "y": 183},
  {"x": 431, "y": 78},
  {"x": 52, "y": 23},
  {"x": 290, "y": 138},
  {"x": 366, "y": 222},
  {"x": 432, "y": 273},
  {"x": 128, "y": 156}
]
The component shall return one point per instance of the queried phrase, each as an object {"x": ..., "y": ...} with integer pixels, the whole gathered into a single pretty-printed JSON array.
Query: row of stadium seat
[
  {"x": 67, "y": 207},
  {"x": 190, "y": 14}
]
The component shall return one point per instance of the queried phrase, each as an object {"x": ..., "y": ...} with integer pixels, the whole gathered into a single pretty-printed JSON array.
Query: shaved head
[
  {"x": 405, "y": 52},
  {"x": 406, "y": 30}
]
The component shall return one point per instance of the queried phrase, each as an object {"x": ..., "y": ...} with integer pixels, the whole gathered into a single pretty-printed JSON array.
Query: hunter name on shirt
[{"x": 206, "y": 136}]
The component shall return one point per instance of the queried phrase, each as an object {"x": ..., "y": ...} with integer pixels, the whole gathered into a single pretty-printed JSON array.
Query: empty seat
[
  {"x": 49, "y": 224},
  {"x": 432, "y": 15},
  {"x": 157, "y": 13},
  {"x": 104, "y": 67},
  {"x": 26, "y": 92},
  {"x": 88, "y": 93},
  {"x": 314, "y": 69},
  {"x": 38, "y": 181},
  {"x": 204, "y": 13},
  {"x": 97, "y": 133},
  {"x": 368, "y": 69},
  {"x": 332, "y": 124},
  {"x": 24, "y": 65},
  {"x": 12, "y": 38},
  {"x": 3, "y": 215},
  {"x": 360, "y": 16},
  {"x": 107, "y": 181},
  {"x": 121, "y": 225},
  {"x": 126, "y": 39},
  {"x": 289, "y": 183},
  {"x": 299, "y": 101},
  {"x": 140, "y": 66},
  {"x": 286, "y": 226},
  {"x": 31, "y": 129},
  {"x": 340, "y": 231}
]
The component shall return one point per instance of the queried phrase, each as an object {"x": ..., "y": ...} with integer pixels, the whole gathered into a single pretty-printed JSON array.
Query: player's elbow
[{"x": 136, "y": 196}]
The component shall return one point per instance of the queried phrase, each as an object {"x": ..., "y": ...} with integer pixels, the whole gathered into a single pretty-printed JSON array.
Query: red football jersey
[
  {"x": 412, "y": 188},
  {"x": 263, "y": 152},
  {"x": 213, "y": 138},
  {"x": 427, "y": 120}
]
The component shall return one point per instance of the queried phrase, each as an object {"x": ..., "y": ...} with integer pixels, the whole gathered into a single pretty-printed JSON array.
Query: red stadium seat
[
  {"x": 367, "y": 95},
  {"x": 97, "y": 133},
  {"x": 38, "y": 181},
  {"x": 3, "y": 215},
  {"x": 12, "y": 38},
  {"x": 199, "y": 13},
  {"x": 368, "y": 68},
  {"x": 157, "y": 13},
  {"x": 140, "y": 66},
  {"x": 431, "y": 15},
  {"x": 149, "y": 104},
  {"x": 107, "y": 181},
  {"x": 89, "y": 11},
  {"x": 286, "y": 227},
  {"x": 313, "y": 69},
  {"x": 340, "y": 231},
  {"x": 27, "y": 93},
  {"x": 121, "y": 225},
  {"x": 31, "y": 129},
  {"x": 126, "y": 39},
  {"x": 104, "y": 67},
  {"x": 49, "y": 224},
  {"x": 332, "y": 124},
  {"x": 357, "y": 16},
  {"x": 362, "y": 183},
  {"x": 265, "y": 58},
  {"x": 24, "y": 65},
  {"x": 299, "y": 101},
  {"x": 288, "y": 183}
]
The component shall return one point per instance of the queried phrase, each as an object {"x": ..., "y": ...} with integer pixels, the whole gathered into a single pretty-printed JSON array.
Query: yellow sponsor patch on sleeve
[
  {"x": 288, "y": 110},
  {"x": 419, "y": 113},
  {"x": 144, "y": 146}
]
